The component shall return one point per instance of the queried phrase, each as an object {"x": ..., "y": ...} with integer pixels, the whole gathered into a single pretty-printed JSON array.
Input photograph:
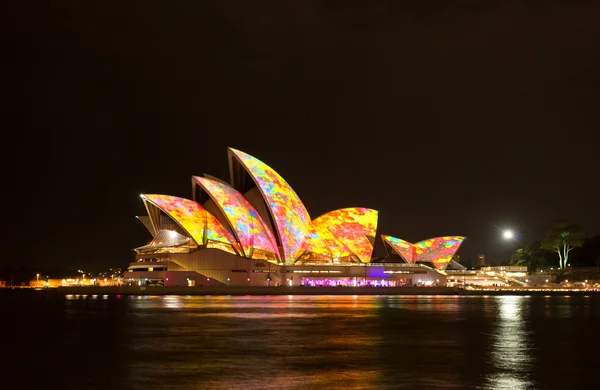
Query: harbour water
[{"x": 299, "y": 342}]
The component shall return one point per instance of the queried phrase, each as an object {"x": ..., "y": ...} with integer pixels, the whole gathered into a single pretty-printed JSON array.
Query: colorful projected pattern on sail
[
  {"x": 289, "y": 214},
  {"x": 247, "y": 224},
  {"x": 438, "y": 250},
  {"x": 321, "y": 241},
  {"x": 193, "y": 218},
  {"x": 403, "y": 248},
  {"x": 352, "y": 227}
]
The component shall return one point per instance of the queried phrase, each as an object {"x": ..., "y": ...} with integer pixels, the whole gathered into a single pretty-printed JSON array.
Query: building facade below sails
[{"x": 255, "y": 231}]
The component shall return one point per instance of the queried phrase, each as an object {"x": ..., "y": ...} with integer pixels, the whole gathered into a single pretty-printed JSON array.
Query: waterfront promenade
[{"x": 299, "y": 290}]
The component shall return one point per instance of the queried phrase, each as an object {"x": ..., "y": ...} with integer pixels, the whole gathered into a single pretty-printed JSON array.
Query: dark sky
[{"x": 459, "y": 118}]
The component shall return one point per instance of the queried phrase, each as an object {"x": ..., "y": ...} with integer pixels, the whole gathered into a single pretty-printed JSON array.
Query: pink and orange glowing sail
[
  {"x": 245, "y": 221},
  {"x": 354, "y": 228},
  {"x": 193, "y": 218},
  {"x": 290, "y": 217},
  {"x": 404, "y": 249},
  {"x": 438, "y": 251}
]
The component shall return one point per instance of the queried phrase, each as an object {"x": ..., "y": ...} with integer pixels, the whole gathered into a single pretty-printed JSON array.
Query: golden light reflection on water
[
  {"x": 331, "y": 342},
  {"x": 263, "y": 302},
  {"x": 290, "y": 379},
  {"x": 433, "y": 303},
  {"x": 172, "y": 302},
  {"x": 345, "y": 304},
  {"x": 511, "y": 355},
  {"x": 310, "y": 341},
  {"x": 247, "y": 315}
]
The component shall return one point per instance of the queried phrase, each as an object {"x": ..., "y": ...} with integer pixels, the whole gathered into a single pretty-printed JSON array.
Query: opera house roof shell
[
  {"x": 438, "y": 251},
  {"x": 259, "y": 216}
]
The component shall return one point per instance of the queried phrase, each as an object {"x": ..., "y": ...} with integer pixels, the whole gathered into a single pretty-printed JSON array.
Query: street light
[{"x": 508, "y": 235}]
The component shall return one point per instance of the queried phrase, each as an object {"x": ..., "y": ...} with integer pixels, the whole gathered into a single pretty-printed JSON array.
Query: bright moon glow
[{"x": 508, "y": 235}]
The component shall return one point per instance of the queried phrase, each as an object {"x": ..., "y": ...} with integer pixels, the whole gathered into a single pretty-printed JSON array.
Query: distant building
[
  {"x": 75, "y": 281},
  {"x": 481, "y": 260},
  {"x": 508, "y": 271},
  {"x": 581, "y": 274}
]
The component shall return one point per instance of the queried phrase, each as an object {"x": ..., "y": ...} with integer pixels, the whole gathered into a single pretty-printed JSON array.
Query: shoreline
[{"x": 297, "y": 290}]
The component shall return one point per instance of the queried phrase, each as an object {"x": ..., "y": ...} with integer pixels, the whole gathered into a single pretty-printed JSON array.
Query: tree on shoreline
[
  {"x": 562, "y": 239},
  {"x": 530, "y": 256}
]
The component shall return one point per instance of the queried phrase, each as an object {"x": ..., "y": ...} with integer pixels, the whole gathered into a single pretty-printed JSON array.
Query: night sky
[{"x": 450, "y": 119}]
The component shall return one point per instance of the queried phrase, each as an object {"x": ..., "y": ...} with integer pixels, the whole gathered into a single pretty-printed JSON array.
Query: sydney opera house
[{"x": 256, "y": 231}]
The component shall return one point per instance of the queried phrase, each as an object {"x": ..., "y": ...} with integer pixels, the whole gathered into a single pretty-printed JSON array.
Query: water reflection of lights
[
  {"x": 256, "y": 315},
  {"x": 243, "y": 304},
  {"x": 424, "y": 303},
  {"x": 172, "y": 302},
  {"x": 510, "y": 354}
]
